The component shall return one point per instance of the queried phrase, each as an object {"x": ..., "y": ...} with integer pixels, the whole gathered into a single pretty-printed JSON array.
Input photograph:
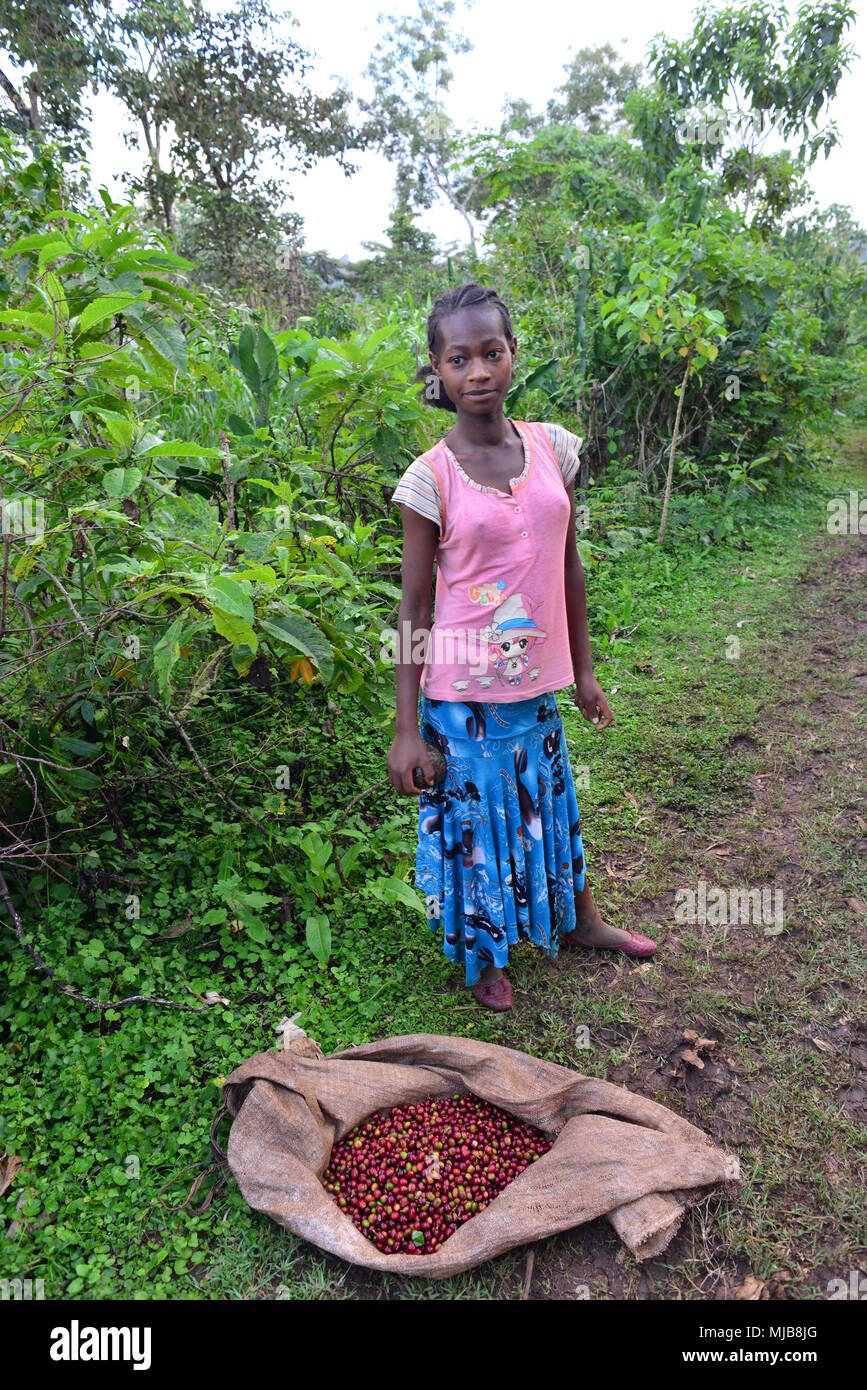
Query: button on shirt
[{"x": 500, "y": 630}]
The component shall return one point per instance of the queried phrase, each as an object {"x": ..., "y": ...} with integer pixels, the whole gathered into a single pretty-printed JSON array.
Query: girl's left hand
[{"x": 592, "y": 703}]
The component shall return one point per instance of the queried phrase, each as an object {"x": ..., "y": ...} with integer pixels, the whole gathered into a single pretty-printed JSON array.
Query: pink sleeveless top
[{"x": 500, "y": 630}]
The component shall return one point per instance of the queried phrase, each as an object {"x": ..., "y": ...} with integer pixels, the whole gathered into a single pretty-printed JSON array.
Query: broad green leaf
[
  {"x": 247, "y": 358},
  {"x": 266, "y": 574},
  {"x": 30, "y": 243},
  {"x": 59, "y": 247},
  {"x": 122, "y": 482},
  {"x": 305, "y": 637},
  {"x": 227, "y": 594},
  {"x": 235, "y": 630},
  {"x": 283, "y": 490},
  {"x": 181, "y": 448},
  {"x": 28, "y": 318},
  {"x": 214, "y": 917},
  {"x": 266, "y": 355},
  {"x": 168, "y": 342},
  {"x": 253, "y": 898},
  {"x": 118, "y": 427},
  {"x": 81, "y": 777},
  {"x": 100, "y": 309},
  {"x": 395, "y": 890},
  {"x": 52, "y": 292},
  {"x": 167, "y": 651},
  {"x": 129, "y": 567},
  {"x": 78, "y": 747},
  {"x": 104, "y": 513},
  {"x": 240, "y": 428},
  {"x": 318, "y": 934},
  {"x": 241, "y": 658},
  {"x": 166, "y": 259}
]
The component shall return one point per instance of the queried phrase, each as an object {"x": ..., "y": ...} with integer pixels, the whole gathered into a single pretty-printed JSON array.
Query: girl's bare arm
[{"x": 589, "y": 696}]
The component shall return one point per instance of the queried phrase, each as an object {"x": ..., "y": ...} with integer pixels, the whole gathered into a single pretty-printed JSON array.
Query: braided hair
[{"x": 462, "y": 297}]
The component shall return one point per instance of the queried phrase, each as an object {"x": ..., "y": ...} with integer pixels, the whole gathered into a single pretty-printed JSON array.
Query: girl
[{"x": 500, "y": 854}]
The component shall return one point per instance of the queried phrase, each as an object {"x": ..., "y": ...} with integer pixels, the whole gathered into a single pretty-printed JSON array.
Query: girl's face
[{"x": 475, "y": 360}]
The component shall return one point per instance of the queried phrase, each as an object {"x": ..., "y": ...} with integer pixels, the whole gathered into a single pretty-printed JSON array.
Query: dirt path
[{"x": 773, "y": 1010}]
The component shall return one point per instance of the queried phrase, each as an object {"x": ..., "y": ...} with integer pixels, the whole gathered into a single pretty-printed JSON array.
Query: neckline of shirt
[{"x": 513, "y": 482}]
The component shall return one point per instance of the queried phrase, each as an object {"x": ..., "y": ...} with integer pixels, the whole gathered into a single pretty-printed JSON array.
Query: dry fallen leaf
[
  {"x": 858, "y": 905},
  {"x": 177, "y": 928},
  {"x": 751, "y": 1289},
  {"x": 688, "y": 1055},
  {"x": 822, "y": 1045},
  {"x": 289, "y": 1030},
  {"x": 9, "y": 1165},
  {"x": 705, "y": 1044},
  {"x": 689, "y": 1035},
  {"x": 628, "y": 874},
  {"x": 776, "y": 1285}
]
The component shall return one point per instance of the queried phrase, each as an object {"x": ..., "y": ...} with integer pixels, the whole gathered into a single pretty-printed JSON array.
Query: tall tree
[
  {"x": 409, "y": 262},
  {"x": 229, "y": 89},
  {"x": 152, "y": 35},
  {"x": 594, "y": 91},
  {"x": 742, "y": 71},
  {"x": 50, "y": 50},
  {"x": 409, "y": 113}
]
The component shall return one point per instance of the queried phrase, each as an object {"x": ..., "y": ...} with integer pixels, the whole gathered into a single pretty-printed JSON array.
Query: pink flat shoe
[
  {"x": 494, "y": 994},
  {"x": 640, "y": 946}
]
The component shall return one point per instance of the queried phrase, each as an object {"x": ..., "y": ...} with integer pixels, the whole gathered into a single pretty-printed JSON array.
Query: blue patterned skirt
[{"x": 500, "y": 855}]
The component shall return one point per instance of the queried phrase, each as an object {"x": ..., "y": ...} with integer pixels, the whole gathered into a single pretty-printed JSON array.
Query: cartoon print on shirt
[
  {"x": 508, "y": 638},
  {"x": 487, "y": 593},
  {"x": 511, "y": 634}
]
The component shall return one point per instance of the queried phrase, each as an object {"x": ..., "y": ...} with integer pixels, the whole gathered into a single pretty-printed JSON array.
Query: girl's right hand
[{"x": 407, "y": 752}]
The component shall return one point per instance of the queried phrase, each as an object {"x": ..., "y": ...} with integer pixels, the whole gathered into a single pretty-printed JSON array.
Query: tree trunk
[{"x": 674, "y": 436}]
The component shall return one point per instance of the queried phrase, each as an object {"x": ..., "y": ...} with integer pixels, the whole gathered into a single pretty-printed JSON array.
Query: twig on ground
[{"x": 528, "y": 1274}]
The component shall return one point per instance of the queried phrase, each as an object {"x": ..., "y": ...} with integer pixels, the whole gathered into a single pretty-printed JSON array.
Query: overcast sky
[{"x": 519, "y": 50}]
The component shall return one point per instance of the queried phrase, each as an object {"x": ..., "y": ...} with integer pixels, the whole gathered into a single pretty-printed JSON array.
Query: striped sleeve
[
  {"x": 567, "y": 447},
  {"x": 419, "y": 489}
]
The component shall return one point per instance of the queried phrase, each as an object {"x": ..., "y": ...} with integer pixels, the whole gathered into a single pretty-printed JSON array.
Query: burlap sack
[{"x": 615, "y": 1154}]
